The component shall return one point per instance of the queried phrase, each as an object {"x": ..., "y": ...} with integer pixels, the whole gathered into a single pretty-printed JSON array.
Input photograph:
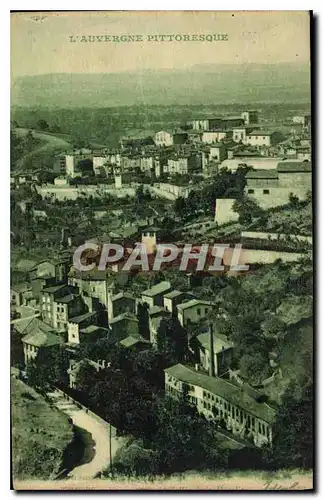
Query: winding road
[{"x": 99, "y": 433}]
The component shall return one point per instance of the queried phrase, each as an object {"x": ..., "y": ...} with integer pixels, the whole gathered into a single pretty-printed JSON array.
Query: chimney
[{"x": 211, "y": 366}]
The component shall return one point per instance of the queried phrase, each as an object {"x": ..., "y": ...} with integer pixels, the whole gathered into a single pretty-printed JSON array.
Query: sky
[{"x": 40, "y": 41}]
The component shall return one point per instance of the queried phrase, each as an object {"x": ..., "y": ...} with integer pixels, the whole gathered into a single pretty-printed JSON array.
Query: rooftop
[
  {"x": 173, "y": 294},
  {"x": 21, "y": 287},
  {"x": 261, "y": 132},
  {"x": 193, "y": 303},
  {"x": 39, "y": 334},
  {"x": 122, "y": 295},
  {"x": 25, "y": 265},
  {"x": 82, "y": 317},
  {"x": 123, "y": 317},
  {"x": 132, "y": 341},
  {"x": 90, "y": 329},
  {"x": 162, "y": 287},
  {"x": 262, "y": 174},
  {"x": 294, "y": 166},
  {"x": 54, "y": 289},
  {"x": 156, "y": 310},
  {"x": 227, "y": 390},
  {"x": 67, "y": 298},
  {"x": 220, "y": 343}
]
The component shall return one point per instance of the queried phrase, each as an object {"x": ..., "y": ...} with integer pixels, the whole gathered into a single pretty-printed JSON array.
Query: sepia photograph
[{"x": 161, "y": 250}]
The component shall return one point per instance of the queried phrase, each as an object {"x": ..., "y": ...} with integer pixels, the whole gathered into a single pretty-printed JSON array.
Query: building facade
[{"x": 241, "y": 413}]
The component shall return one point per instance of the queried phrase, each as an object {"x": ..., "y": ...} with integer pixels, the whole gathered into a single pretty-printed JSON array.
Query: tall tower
[
  {"x": 211, "y": 365},
  {"x": 117, "y": 177},
  {"x": 110, "y": 290},
  {"x": 149, "y": 239}
]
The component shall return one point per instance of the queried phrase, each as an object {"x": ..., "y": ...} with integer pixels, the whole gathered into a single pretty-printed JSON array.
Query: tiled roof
[
  {"x": 90, "y": 329},
  {"x": 161, "y": 287},
  {"x": 156, "y": 310},
  {"x": 261, "y": 132},
  {"x": 53, "y": 289},
  {"x": 262, "y": 174},
  {"x": 39, "y": 334},
  {"x": 21, "y": 287},
  {"x": 294, "y": 166},
  {"x": 122, "y": 295},
  {"x": 193, "y": 302},
  {"x": 219, "y": 342},
  {"x": 173, "y": 294},
  {"x": 132, "y": 341},
  {"x": 21, "y": 325},
  {"x": 227, "y": 390},
  {"x": 25, "y": 265},
  {"x": 123, "y": 317},
  {"x": 66, "y": 299},
  {"x": 82, "y": 317}
]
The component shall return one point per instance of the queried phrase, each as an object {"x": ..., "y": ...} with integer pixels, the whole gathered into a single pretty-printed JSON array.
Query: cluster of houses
[
  {"x": 198, "y": 148},
  {"x": 270, "y": 184},
  {"x": 60, "y": 307},
  {"x": 56, "y": 306}
]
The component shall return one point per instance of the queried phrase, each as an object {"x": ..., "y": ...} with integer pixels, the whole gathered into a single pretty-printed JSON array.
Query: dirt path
[{"x": 99, "y": 433}]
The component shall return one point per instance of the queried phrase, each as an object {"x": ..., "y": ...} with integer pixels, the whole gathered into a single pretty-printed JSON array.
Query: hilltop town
[{"x": 191, "y": 369}]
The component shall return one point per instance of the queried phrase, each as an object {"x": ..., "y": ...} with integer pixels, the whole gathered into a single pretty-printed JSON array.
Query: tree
[
  {"x": 85, "y": 166},
  {"x": 172, "y": 340},
  {"x": 247, "y": 209},
  {"x": 273, "y": 328},
  {"x": 17, "y": 351},
  {"x": 48, "y": 368},
  {"x": 254, "y": 367},
  {"x": 180, "y": 207},
  {"x": 293, "y": 432},
  {"x": 55, "y": 129},
  {"x": 185, "y": 440},
  {"x": 135, "y": 460},
  {"x": 42, "y": 125},
  {"x": 293, "y": 200}
]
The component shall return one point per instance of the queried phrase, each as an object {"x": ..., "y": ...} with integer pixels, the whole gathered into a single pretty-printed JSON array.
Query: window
[
  {"x": 44, "y": 299},
  {"x": 251, "y": 191},
  {"x": 199, "y": 311},
  {"x": 266, "y": 191}
]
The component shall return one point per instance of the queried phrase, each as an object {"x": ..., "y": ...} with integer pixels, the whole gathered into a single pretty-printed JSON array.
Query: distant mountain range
[{"x": 202, "y": 84}]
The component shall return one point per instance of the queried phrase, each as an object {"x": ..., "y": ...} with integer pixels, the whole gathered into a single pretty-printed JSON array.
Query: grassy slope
[{"x": 40, "y": 434}]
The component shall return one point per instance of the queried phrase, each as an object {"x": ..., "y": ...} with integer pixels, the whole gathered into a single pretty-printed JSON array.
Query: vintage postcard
[{"x": 161, "y": 250}]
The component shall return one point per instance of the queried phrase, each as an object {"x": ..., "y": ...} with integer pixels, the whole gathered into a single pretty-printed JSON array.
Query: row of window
[
  {"x": 198, "y": 310},
  {"x": 263, "y": 137},
  {"x": 31, "y": 348},
  {"x": 234, "y": 412},
  {"x": 264, "y": 191},
  {"x": 227, "y": 410}
]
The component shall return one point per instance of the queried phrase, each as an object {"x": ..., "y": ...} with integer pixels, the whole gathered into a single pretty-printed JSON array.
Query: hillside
[
  {"x": 198, "y": 85},
  {"x": 40, "y": 434}
]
